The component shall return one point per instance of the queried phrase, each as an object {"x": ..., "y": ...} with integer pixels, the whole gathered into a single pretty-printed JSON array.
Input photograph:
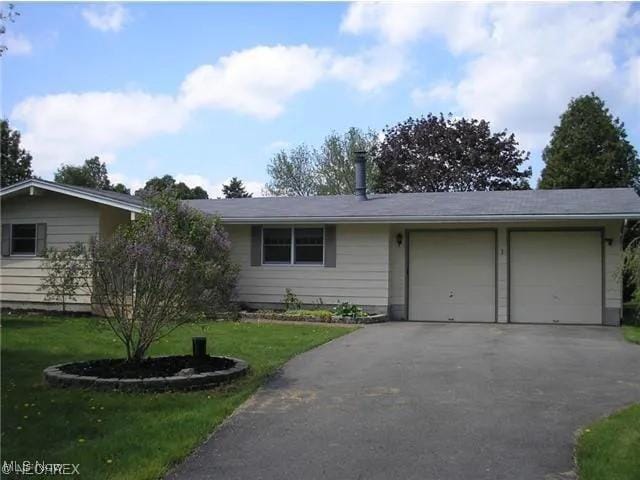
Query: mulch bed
[{"x": 149, "y": 367}]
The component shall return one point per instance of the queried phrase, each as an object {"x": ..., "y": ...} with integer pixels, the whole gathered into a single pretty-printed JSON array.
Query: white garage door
[
  {"x": 556, "y": 277},
  {"x": 452, "y": 276}
]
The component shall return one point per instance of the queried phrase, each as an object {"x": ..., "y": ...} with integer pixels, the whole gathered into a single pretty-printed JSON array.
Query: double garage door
[{"x": 554, "y": 276}]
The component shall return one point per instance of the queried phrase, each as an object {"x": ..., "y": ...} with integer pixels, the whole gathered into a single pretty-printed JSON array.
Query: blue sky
[{"x": 209, "y": 91}]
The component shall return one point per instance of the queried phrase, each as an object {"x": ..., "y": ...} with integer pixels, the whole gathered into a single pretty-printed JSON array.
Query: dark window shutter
[
  {"x": 330, "y": 246},
  {"x": 256, "y": 245},
  {"x": 41, "y": 239},
  {"x": 6, "y": 239}
]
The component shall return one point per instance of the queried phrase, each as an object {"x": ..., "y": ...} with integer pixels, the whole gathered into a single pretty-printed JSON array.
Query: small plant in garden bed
[
  {"x": 346, "y": 309},
  {"x": 321, "y": 314},
  {"x": 302, "y": 314},
  {"x": 291, "y": 301}
]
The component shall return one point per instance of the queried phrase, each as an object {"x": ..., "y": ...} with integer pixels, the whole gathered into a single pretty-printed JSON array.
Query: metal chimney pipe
[{"x": 361, "y": 175}]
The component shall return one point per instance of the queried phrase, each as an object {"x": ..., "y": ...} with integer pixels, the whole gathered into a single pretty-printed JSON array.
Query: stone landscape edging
[
  {"x": 378, "y": 318},
  {"x": 54, "y": 376}
]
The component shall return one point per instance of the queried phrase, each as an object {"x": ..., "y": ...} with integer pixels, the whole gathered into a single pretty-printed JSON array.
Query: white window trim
[
  {"x": 292, "y": 261},
  {"x": 22, "y": 255}
]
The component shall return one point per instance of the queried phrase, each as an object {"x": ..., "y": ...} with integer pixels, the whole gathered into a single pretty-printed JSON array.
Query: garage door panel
[
  {"x": 562, "y": 314},
  {"x": 433, "y": 293},
  {"x": 472, "y": 312},
  {"x": 438, "y": 312},
  {"x": 556, "y": 277},
  {"x": 452, "y": 276}
]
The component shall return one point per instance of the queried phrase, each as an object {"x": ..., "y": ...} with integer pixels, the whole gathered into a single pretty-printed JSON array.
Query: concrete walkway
[{"x": 427, "y": 401}]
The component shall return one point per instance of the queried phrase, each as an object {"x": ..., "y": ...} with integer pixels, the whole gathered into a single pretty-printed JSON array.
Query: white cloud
[
  {"x": 71, "y": 127},
  {"x": 522, "y": 62},
  {"x": 17, "y": 44},
  {"x": 66, "y": 128},
  {"x": 370, "y": 70},
  {"x": 441, "y": 92},
  {"x": 398, "y": 24},
  {"x": 257, "y": 81},
  {"x": 632, "y": 87},
  {"x": 214, "y": 189},
  {"x": 132, "y": 183},
  {"x": 109, "y": 17}
]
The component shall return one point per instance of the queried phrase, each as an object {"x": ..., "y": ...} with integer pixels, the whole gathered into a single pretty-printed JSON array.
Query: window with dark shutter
[
  {"x": 276, "y": 246},
  {"x": 309, "y": 243},
  {"x": 23, "y": 239}
]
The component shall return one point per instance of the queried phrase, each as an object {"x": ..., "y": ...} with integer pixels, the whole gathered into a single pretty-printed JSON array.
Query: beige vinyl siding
[
  {"x": 110, "y": 219},
  {"x": 361, "y": 275},
  {"x": 612, "y": 253},
  {"x": 69, "y": 220}
]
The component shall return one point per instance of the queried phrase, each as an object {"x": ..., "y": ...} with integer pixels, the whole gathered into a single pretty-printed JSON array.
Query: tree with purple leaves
[{"x": 447, "y": 154}]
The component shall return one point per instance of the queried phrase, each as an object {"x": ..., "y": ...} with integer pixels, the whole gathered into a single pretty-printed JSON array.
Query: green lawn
[
  {"x": 609, "y": 449},
  {"x": 119, "y": 435},
  {"x": 631, "y": 334}
]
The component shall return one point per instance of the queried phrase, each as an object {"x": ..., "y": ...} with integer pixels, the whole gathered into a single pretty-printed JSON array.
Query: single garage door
[
  {"x": 556, "y": 277},
  {"x": 452, "y": 276}
]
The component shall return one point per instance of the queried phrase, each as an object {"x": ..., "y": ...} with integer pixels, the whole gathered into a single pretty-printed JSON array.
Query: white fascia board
[{"x": 97, "y": 198}]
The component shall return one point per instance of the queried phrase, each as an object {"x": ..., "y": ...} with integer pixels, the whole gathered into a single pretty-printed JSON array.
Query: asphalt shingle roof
[
  {"x": 442, "y": 204},
  {"x": 621, "y": 202},
  {"x": 121, "y": 197}
]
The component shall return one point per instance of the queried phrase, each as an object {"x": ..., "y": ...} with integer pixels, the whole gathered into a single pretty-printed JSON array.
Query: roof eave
[
  {"x": 431, "y": 219},
  {"x": 97, "y": 198}
]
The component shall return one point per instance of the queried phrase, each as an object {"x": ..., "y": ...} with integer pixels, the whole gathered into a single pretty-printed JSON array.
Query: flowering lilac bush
[
  {"x": 168, "y": 267},
  {"x": 64, "y": 275}
]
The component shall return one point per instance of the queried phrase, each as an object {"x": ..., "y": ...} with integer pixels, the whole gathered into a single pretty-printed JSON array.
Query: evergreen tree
[
  {"x": 589, "y": 149},
  {"x": 235, "y": 189}
]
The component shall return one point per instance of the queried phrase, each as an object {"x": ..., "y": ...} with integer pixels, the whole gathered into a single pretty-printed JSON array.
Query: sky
[{"x": 207, "y": 91}]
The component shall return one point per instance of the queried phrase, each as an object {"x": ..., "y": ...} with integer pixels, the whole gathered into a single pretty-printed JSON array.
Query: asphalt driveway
[{"x": 427, "y": 401}]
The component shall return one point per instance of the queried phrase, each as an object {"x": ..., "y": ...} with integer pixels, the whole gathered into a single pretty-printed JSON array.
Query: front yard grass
[
  {"x": 631, "y": 333},
  {"x": 120, "y": 435},
  {"x": 608, "y": 449}
]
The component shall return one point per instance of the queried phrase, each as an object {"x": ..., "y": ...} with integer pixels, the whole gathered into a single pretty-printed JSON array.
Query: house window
[
  {"x": 309, "y": 245},
  {"x": 303, "y": 246},
  {"x": 276, "y": 245},
  {"x": 23, "y": 239}
]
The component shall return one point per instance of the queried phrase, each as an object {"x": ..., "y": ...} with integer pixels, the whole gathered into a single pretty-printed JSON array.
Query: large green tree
[
  {"x": 336, "y": 161},
  {"x": 589, "y": 149},
  {"x": 235, "y": 189},
  {"x": 16, "y": 161},
  {"x": 167, "y": 185},
  {"x": 293, "y": 173},
  {"x": 92, "y": 174},
  {"x": 329, "y": 170},
  {"x": 438, "y": 154}
]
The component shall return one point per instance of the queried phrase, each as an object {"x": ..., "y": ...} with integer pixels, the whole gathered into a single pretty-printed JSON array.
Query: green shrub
[
  {"x": 347, "y": 309},
  {"x": 323, "y": 314},
  {"x": 291, "y": 301}
]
